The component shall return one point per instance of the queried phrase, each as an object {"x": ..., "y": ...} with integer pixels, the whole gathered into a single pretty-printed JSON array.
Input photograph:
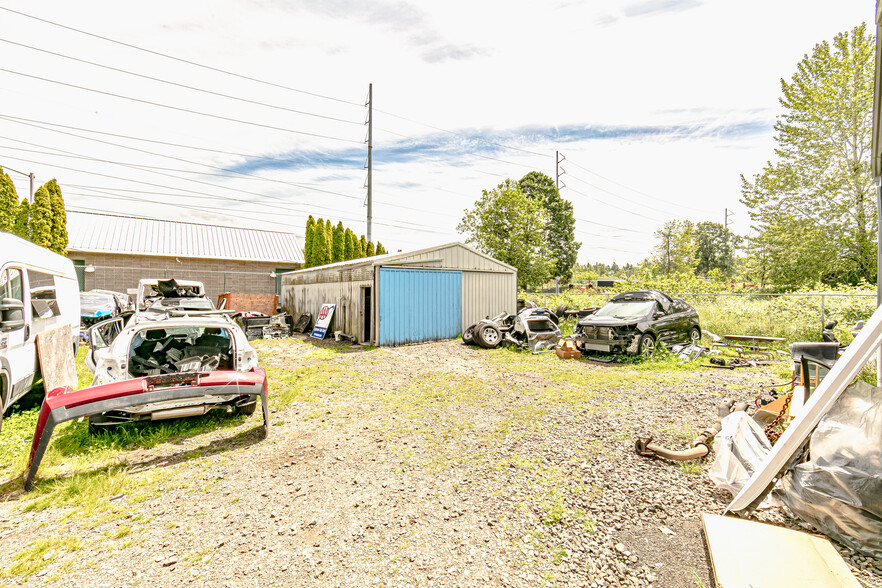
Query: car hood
[{"x": 608, "y": 321}]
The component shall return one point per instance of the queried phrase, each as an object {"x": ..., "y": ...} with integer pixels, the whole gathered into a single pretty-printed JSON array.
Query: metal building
[{"x": 401, "y": 298}]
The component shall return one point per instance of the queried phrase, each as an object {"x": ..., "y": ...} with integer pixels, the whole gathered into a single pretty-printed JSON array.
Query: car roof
[
  {"x": 163, "y": 320},
  {"x": 659, "y": 297}
]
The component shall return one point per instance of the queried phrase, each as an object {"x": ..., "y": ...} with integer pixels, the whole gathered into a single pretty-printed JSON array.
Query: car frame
[
  {"x": 113, "y": 357},
  {"x": 649, "y": 317}
]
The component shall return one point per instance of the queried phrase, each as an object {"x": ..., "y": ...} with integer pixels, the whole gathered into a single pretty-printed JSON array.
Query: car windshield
[
  {"x": 90, "y": 302},
  {"x": 626, "y": 308},
  {"x": 184, "y": 304}
]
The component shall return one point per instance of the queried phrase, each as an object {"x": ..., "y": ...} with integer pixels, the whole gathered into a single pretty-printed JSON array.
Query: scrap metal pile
[
  {"x": 197, "y": 350},
  {"x": 532, "y": 327}
]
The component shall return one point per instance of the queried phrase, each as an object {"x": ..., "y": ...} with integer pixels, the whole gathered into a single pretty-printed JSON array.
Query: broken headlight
[{"x": 612, "y": 334}]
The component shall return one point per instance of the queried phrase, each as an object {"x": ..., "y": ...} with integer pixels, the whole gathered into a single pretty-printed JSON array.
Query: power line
[
  {"x": 179, "y": 109},
  {"x": 178, "y": 59},
  {"x": 179, "y": 85}
]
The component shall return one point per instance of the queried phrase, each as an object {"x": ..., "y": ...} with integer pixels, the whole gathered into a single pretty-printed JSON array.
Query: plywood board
[
  {"x": 57, "y": 364},
  {"x": 750, "y": 554}
]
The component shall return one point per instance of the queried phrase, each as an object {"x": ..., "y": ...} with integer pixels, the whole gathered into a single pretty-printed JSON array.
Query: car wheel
[
  {"x": 646, "y": 345},
  {"x": 695, "y": 335},
  {"x": 488, "y": 335},
  {"x": 468, "y": 336},
  {"x": 247, "y": 409}
]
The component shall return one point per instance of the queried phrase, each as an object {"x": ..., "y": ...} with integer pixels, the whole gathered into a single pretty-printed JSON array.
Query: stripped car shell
[
  {"x": 633, "y": 322},
  {"x": 63, "y": 404},
  {"x": 155, "y": 344}
]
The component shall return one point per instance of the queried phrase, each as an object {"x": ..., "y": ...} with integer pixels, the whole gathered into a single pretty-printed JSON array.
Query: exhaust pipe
[
  {"x": 175, "y": 413},
  {"x": 700, "y": 445}
]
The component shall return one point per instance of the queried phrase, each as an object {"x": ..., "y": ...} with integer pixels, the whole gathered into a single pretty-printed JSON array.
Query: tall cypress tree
[
  {"x": 380, "y": 249},
  {"x": 41, "y": 218},
  {"x": 59, "y": 218},
  {"x": 338, "y": 242},
  {"x": 307, "y": 242},
  {"x": 329, "y": 241},
  {"x": 8, "y": 202},
  {"x": 362, "y": 247},
  {"x": 22, "y": 226},
  {"x": 318, "y": 243},
  {"x": 370, "y": 249},
  {"x": 348, "y": 244}
]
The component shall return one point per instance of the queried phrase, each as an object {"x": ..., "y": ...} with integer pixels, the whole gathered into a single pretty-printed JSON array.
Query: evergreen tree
[
  {"x": 348, "y": 244},
  {"x": 362, "y": 247},
  {"x": 59, "y": 218},
  {"x": 370, "y": 249},
  {"x": 338, "y": 242},
  {"x": 380, "y": 249},
  {"x": 307, "y": 242},
  {"x": 41, "y": 218},
  {"x": 8, "y": 202},
  {"x": 319, "y": 245},
  {"x": 329, "y": 241},
  {"x": 22, "y": 220}
]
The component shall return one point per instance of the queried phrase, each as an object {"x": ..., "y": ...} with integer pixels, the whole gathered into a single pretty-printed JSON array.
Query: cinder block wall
[{"x": 121, "y": 272}]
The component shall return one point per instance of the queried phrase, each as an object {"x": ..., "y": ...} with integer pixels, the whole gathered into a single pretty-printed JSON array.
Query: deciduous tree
[
  {"x": 510, "y": 227},
  {"x": 560, "y": 229},
  {"x": 814, "y": 206}
]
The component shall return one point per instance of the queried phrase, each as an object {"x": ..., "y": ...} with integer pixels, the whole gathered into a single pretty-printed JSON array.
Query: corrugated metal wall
[
  {"x": 419, "y": 305},
  {"x": 302, "y": 298},
  {"x": 487, "y": 294}
]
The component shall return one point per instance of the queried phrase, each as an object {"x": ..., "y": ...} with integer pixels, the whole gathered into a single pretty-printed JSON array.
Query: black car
[{"x": 633, "y": 322}]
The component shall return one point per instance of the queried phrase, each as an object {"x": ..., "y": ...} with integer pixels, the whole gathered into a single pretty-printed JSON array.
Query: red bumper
[{"x": 63, "y": 404}]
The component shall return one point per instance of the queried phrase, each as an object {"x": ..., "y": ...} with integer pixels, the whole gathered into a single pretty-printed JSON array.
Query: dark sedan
[{"x": 633, "y": 322}]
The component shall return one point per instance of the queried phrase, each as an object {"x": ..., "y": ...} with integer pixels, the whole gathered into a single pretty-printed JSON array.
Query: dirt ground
[{"x": 427, "y": 465}]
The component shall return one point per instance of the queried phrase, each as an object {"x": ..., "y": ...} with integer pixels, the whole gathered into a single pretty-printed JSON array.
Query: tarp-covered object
[
  {"x": 839, "y": 490},
  {"x": 740, "y": 447}
]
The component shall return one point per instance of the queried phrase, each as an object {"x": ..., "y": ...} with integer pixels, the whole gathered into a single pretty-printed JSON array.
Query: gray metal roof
[{"x": 128, "y": 235}]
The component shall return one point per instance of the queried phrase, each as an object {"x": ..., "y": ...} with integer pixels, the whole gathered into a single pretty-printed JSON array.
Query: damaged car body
[
  {"x": 535, "y": 328},
  {"x": 155, "y": 345},
  {"x": 633, "y": 322}
]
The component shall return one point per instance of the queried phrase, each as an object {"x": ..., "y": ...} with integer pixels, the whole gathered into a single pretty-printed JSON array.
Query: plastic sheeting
[
  {"x": 740, "y": 448},
  {"x": 839, "y": 490}
]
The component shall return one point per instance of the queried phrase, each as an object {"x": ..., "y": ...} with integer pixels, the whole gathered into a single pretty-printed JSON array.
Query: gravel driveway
[{"x": 427, "y": 465}]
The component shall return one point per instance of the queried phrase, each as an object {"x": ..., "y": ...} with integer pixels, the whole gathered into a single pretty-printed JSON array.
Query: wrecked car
[
  {"x": 155, "y": 345},
  {"x": 163, "y": 295},
  {"x": 96, "y": 306},
  {"x": 535, "y": 328},
  {"x": 633, "y": 322}
]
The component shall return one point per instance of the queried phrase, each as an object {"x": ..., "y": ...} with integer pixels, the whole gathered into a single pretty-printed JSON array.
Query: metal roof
[{"x": 130, "y": 235}]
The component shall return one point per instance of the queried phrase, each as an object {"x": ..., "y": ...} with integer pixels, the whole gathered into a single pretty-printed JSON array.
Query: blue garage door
[{"x": 419, "y": 305}]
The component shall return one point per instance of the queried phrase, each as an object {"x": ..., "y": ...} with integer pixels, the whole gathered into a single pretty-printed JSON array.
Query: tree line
[
  {"x": 326, "y": 243},
  {"x": 44, "y": 222}
]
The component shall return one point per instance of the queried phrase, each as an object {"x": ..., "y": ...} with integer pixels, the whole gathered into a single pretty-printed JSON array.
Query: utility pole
[
  {"x": 370, "y": 144},
  {"x": 558, "y": 170},
  {"x": 726, "y": 217},
  {"x": 31, "y": 197}
]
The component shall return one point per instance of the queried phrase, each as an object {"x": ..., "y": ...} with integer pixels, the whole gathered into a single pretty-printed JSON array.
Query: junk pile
[
  {"x": 261, "y": 326},
  {"x": 163, "y": 353},
  {"x": 532, "y": 327}
]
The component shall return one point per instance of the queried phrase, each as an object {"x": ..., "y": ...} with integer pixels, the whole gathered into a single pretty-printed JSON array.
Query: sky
[{"x": 253, "y": 112}]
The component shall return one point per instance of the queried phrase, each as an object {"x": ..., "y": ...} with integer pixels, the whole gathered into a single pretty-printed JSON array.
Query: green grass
[{"x": 30, "y": 561}]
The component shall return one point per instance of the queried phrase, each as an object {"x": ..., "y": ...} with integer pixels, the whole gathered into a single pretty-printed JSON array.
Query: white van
[{"x": 38, "y": 292}]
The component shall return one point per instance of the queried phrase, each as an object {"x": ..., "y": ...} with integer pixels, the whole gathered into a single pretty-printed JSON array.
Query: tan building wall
[{"x": 119, "y": 272}]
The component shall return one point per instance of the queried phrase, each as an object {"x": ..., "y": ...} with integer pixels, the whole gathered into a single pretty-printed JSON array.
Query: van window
[
  {"x": 42, "y": 288},
  {"x": 10, "y": 284}
]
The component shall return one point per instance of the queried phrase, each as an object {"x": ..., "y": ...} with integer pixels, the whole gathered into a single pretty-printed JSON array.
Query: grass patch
[{"x": 30, "y": 561}]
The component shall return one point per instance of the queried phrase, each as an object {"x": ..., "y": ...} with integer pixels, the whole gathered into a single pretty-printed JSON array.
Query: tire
[
  {"x": 488, "y": 335},
  {"x": 646, "y": 345},
  {"x": 247, "y": 409},
  {"x": 468, "y": 336},
  {"x": 695, "y": 335},
  {"x": 560, "y": 311}
]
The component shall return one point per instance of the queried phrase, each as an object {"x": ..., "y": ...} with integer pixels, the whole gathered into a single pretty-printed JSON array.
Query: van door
[{"x": 18, "y": 346}]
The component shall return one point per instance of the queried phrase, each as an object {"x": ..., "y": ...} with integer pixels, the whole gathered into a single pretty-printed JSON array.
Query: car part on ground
[
  {"x": 533, "y": 327},
  {"x": 634, "y": 322},
  {"x": 261, "y": 326},
  {"x": 303, "y": 324},
  {"x": 700, "y": 445},
  {"x": 63, "y": 404},
  {"x": 689, "y": 352}
]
